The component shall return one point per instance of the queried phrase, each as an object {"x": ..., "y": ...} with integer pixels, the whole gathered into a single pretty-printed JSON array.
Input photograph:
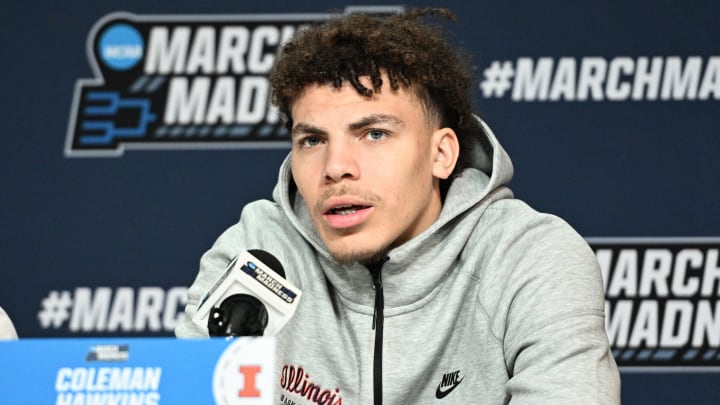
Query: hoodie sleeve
[{"x": 552, "y": 324}]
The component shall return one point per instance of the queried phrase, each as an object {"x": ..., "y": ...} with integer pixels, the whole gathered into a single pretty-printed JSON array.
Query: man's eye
[
  {"x": 376, "y": 134},
  {"x": 310, "y": 141}
]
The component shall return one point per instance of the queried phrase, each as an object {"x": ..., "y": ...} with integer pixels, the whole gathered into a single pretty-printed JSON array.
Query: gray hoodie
[{"x": 494, "y": 303}]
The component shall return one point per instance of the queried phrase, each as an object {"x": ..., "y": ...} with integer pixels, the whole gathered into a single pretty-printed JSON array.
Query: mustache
[{"x": 346, "y": 191}]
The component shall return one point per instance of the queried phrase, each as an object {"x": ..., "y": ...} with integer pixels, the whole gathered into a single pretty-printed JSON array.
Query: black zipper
[{"x": 377, "y": 325}]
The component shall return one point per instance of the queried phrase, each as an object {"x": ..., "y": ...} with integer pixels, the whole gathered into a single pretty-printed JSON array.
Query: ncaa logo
[{"x": 121, "y": 47}]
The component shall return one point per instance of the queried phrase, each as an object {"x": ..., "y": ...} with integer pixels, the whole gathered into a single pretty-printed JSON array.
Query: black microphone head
[
  {"x": 238, "y": 315},
  {"x": 269, "y": 260},
  {"x": 244, "y": 314}
]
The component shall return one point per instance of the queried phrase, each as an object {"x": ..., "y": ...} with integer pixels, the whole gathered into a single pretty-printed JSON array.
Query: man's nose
[{"x": 341, "y": 161}]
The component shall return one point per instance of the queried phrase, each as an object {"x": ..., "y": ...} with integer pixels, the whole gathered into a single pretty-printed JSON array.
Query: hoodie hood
[{"x": 476, "y": 186}]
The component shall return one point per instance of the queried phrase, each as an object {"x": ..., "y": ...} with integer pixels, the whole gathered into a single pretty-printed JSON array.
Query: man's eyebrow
[
  {"x": 375, "y": 119},
  {"x": 305, "y": 129}
]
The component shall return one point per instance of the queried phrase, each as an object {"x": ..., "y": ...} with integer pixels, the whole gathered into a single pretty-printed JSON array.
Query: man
[{"x": 423, "y": 280}]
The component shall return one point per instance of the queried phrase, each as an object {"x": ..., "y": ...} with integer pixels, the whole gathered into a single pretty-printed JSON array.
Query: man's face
[{"x": 367, "y": 168}]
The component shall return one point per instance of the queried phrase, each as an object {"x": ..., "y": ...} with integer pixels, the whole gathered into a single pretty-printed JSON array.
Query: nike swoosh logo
[{"x": 440, "y": 394}]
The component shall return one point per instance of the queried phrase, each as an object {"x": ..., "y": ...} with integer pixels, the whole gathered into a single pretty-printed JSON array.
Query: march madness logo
[
  {"x": 182, "y": 82},
  {"x": 662, "y": 300}
]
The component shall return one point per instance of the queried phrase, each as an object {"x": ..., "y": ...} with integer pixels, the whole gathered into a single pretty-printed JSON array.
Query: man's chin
[{"x": 347, "y": 257}]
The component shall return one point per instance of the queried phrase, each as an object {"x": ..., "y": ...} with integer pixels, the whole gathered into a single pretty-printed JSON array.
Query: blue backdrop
[{"x": 608, "y": 110}]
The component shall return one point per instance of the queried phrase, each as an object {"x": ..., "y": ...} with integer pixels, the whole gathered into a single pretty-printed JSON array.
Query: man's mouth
[
  {"x": 345, "y": 216},
  {"x": 346, "y": 209}
]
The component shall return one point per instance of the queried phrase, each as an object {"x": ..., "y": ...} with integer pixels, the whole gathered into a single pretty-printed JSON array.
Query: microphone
[{"x": 252, "y": 298}]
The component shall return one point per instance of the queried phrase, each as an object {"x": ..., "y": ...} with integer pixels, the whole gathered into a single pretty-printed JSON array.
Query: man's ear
[{"x": 446, "y": 149}]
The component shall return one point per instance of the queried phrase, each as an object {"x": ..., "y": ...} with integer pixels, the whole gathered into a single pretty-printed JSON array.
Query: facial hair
[{"x": 361, "y": 256}]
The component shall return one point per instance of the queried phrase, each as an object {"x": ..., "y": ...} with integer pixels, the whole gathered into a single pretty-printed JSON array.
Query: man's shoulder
[
  {"x": 515, "y": 243},
  {"x": 262, "y": 206},
  {"x": 531, "y": 264},
  {"x": 264, "y": 214},
  {"x": 519, "y": 210},
  {"x": 515, "y": 221}
]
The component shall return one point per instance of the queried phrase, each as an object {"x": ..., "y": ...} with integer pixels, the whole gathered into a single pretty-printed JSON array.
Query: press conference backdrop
[{"x": 132, "y": 139}]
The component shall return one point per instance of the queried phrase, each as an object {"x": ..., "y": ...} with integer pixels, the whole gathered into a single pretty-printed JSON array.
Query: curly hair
[{"x": 412, "y": 53}]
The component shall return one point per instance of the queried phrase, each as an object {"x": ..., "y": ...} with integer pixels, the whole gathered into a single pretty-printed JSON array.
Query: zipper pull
[{"x": 378, "y": 287}]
